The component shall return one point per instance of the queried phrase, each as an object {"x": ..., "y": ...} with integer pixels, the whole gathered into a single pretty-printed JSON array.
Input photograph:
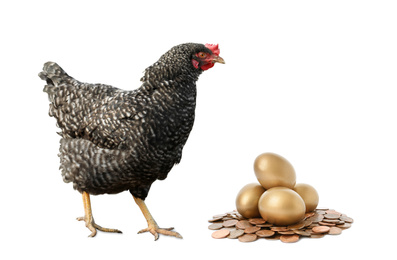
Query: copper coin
[
  {"x": 307, "y": 222},
  {"x": 215, "y": 226},
  {"x": 346, "y": 219},
  {"x": 316, "y": 218},
  {"x": 298, "y": 225},
  {"x": 243, "y": 224},
  {"x": 220, "y": 233},
  {"x": 302, "y": 232},
  {"x": 236, "y": 233},
  {"x": 331, "y": 211},
  {"x": 321, "y": 229},
  {"x": 230, "y": 223},
  {"x": 331, "y": 216},
  {"x": 327, "y": 220},
  {"x": 309, "y": 214},
  {"x": 265, "y": 233},
  {"x": 256, "y": 221},
  {"x": 219, "y": 216},
  {"x": 289, "y": 232},
  {"x": 248, "y": 238},
  {"x": 215, "y": 219},
  {"x": 317, "y": 235},
  {"x": 264, "y": 225},
  {"x": 275, "y": 237},
  {"x": 344, "y": 226},
  {"x": 335, "y": 231},
  {"x": 326, "y": 224},
  {"x": 279, "y": 228},
  {"x": 251, "y": 230},
  {"x": 289, "y": 238}
]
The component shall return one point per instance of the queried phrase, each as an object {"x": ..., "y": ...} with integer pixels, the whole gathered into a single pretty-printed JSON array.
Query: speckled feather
[{"x": 115, "y": 140}]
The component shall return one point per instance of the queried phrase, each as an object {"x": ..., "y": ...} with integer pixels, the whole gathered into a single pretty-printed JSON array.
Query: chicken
[{"x": 115, "y": 140}]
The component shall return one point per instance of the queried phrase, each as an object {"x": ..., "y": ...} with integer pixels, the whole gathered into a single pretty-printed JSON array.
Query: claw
[{"x": 156, "y": 230}]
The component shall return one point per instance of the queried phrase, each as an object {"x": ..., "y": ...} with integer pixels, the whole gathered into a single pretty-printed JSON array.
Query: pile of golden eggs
[{"x": 277, "y": 198}]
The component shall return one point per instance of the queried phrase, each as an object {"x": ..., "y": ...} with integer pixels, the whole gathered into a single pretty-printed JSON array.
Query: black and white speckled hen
[{"x": 115, "y": 140}]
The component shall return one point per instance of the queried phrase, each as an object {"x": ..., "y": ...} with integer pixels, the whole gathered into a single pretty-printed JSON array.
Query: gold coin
[
  {"x": 321, "y": 229},
  {"x": 251, "y": 230},
  {"x": 248, "y": 238},
  {"x": 220, "y": 233},
  {"x": 215, "y": 226},
  {"x": 289, "y": 238},
  {"x": 236, "y": 233},
  {"x": 230, "y": 223},
  {"x": 265, "y": 233},
  {"x": 243, "y": 224},
  {"x": 335, "y": 231}
]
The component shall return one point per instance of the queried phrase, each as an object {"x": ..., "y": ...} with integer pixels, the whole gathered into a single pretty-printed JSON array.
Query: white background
[{"x": 311, "y": 80}]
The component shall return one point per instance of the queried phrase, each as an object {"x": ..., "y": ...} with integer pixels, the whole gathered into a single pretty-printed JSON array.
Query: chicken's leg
[
  {"x": 89, "y": 220},
  {"x": 152, "y": 225}
]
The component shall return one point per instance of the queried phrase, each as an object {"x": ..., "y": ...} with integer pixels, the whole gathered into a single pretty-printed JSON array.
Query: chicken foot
[
  {"x": 89, "y": 219},
  {"x": 153, "y": 228}
]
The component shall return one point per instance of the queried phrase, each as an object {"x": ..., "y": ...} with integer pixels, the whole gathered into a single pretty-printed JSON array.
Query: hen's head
[
  {"x": 204, "y": 57},
  {"x": 188, "y": 59}
]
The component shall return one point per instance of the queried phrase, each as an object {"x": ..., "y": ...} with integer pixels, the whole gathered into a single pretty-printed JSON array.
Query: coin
[
  {"x": 289, "y": 232},
  {"x": 243, "y": 224},
  {"x": 251, "y": 230},
  {"x": 346, "y": 219},
  {"x": 298, "y": 225},
  {"x": 256, "y": 221},
  {"x": 220, "y": 233},
  {"x": 335, "y": 231},
  {"x": 326, "y": 224},
  {"x": 344, "y": 226},
  {"x": 289, "y": 238},
  {"x": 316, "y": 224},
  {"x": 215, "y": 219},
  {"x": 230, "y": 223},
  {"x": 302, "y": 233},
  {"x": 236, "y": 233},
  {"x": 315, "y": 235},
  {"x": 279, "y": 228},
  {"x": 321, "y": 229},
  {"x": 215, "y": 226},
  {"x": 331, "y": 216},
  {"x": 248, "y": 238},
  {"x": 265, "y": 233}
]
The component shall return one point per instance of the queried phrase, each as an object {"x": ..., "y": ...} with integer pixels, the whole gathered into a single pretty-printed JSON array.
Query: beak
[{"x": 217, "y": 59}]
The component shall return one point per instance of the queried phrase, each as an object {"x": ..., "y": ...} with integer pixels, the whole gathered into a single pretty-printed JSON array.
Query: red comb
[{"x": 214, "y": 48}]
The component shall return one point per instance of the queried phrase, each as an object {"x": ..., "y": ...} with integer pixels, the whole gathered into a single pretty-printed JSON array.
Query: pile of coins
[{"x": 316, "y": 224}]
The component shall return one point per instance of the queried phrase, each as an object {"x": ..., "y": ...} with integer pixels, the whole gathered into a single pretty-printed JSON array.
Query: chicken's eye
[{"x": 202, "y": 55}]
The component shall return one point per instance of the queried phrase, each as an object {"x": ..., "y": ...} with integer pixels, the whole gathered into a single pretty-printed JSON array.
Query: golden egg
[
  {"x": 273, "y": 170},
  {"x": 247, "y": 200},
  {"x": 281, "y": 206},
  {"x": 308, "y": 194}
]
